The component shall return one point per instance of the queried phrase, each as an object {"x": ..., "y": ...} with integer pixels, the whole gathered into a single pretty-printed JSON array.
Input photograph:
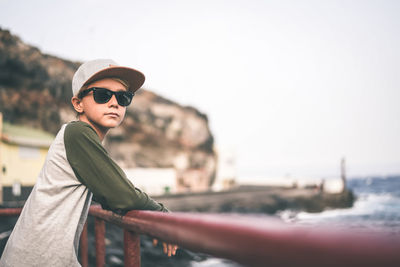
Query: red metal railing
[
  {"x": 10, "y": 212},
  {"x": 247, "y": 240}
]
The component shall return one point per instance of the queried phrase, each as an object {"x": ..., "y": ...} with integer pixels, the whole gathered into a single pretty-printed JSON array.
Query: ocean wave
[
  {"x": 364, "y": 205},
  {"x": 371, "y": 212}
]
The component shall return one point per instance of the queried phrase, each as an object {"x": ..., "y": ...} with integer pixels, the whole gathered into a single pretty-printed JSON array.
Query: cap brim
[{"x": 134, "y": 78}]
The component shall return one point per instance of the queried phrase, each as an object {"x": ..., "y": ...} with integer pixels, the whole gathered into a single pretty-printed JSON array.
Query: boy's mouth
[{"x": 112, "y": 114}]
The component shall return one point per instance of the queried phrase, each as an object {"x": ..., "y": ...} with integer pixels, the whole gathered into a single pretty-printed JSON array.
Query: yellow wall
[{"x": 22, "y": 164}]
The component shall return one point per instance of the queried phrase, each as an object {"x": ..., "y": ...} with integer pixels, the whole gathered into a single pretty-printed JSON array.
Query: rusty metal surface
[
  {"x": 251, "y": 241},
  {"x": 84, "y": 247},
  {"x": 10, "y": 212},
  {"x": 261, "y": 242},
  {"x": 99, "y": 231},
  {"x": 131, "y": 249}
]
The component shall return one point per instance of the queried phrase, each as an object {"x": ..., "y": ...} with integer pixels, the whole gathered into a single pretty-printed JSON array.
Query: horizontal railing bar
[
  {"x": 260, "y": 242},
  {"x": 10, "y": 211},
  {"x": 256, "y": 242}
]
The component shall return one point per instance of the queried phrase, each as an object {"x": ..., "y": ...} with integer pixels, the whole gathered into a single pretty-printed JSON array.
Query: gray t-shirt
[{"x": 77, "y": 166}]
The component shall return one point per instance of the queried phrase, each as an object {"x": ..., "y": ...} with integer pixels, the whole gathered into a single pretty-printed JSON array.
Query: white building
[
  {"x": 226, "y": 169},
  {"x": 153, "y": 181}
]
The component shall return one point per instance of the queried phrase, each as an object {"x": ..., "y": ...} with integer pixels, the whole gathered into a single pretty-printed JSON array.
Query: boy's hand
[{"x": 168, "y": 249}]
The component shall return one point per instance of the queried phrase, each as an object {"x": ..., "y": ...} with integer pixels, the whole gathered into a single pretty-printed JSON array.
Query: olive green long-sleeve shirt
[
  {"x": 48, "y": 229},
  {"x": 94, "y": 168}
]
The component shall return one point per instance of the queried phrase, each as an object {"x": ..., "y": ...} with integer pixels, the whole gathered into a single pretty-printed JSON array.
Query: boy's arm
[{"x": 105, "y": 179}]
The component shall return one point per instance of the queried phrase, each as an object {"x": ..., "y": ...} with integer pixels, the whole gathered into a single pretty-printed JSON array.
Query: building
[
  {"x": 226, "y": 170},
  {"x": 22, "y": 153},
  {"x": 154, "y": 181}
]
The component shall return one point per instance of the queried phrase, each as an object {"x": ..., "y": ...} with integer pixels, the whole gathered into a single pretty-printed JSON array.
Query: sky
[{"x": 289, "y": 87}]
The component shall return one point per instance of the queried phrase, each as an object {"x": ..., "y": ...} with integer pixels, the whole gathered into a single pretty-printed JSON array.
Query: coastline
[
  {"x": 258, "y": 199},
  {"x": 243, "y": 199}
]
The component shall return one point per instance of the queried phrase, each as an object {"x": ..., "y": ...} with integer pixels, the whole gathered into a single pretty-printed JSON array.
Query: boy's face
[{"x": 102, "y": 117}]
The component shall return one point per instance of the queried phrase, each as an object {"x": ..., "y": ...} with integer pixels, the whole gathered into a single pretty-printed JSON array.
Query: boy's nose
[{"x": 113, "y": 101}]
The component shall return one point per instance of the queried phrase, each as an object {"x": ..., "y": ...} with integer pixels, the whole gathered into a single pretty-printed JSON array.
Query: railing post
[
  {"x": 100, "y": 229},
  {"x": 84, "y": 247},
  {"x": 131, "y": 249}
]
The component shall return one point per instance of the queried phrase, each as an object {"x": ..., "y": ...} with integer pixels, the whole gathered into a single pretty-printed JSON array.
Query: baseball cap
[{"x": 98, "y": 69}]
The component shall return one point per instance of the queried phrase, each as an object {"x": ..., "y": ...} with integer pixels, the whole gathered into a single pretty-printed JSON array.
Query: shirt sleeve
[{"x": 95, "y": 169}]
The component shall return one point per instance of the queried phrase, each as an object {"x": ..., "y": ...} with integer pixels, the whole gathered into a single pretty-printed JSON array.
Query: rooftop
[{"x": 23, "y": 135}]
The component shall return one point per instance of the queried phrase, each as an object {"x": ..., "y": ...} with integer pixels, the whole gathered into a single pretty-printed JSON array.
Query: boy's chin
[{"x": 111, "y": 124}]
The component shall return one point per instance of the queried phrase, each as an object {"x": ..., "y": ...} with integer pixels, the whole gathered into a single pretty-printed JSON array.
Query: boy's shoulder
[{"x": 79, "y": 129}]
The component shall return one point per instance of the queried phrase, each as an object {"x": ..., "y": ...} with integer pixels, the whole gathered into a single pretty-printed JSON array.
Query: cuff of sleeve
[{"x": 163, "y": 208}]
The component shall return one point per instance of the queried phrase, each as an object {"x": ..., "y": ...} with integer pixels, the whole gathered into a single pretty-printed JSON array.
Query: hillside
[{"x": 35, "y": 91}]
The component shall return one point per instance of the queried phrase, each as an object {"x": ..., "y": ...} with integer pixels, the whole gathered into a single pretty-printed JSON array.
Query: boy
[{"x": 77, "y": 167}]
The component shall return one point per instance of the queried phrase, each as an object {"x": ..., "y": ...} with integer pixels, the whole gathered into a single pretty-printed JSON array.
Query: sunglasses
[{"x": 103, "y": 95}]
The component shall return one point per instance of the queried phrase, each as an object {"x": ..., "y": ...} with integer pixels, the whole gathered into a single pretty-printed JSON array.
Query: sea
[{"x": 375, "y": 210}]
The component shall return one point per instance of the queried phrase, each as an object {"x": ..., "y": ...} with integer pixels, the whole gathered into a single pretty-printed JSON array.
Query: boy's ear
[{"x": 77, "y": 104}]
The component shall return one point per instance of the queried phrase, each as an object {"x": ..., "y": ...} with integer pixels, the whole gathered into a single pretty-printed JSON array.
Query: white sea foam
[
  {"x": 214, "y": 262},
  {"x": 370, "y": 212},
  {"x": 5, "y": 234},
  {"x": 364, "y": 205}
]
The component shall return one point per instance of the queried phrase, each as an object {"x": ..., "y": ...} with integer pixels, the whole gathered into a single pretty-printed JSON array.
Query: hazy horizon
[{"x": 290, "y": 87}]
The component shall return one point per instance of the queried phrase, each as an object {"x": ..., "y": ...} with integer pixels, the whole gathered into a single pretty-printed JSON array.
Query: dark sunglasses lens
[
  {"x": 102, "y": 95},
  {"x": 124, "y": 98}
]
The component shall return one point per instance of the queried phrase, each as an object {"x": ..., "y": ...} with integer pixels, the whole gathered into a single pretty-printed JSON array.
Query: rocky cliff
[{"x": 35, "y": 90}]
